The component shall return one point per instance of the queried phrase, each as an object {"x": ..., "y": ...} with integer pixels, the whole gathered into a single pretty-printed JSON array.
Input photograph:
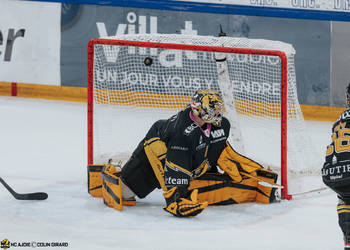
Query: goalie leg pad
[
  {"x": 218, "y": 189},
  {"x": 235, "y": 165},
  {"x": 155, "y": 150},
  {"x": 266, "y": 194},
  {"x": 128, "y": 195},
  {"x": 111, "y": 187},
  {"x": 138, "y": 175},
  {"x": 95, "y": 180},
  {"x": 267, "y": 174}
]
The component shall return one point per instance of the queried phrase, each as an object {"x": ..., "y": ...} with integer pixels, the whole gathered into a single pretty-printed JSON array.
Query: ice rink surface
[{"x": 43, "y": 148}]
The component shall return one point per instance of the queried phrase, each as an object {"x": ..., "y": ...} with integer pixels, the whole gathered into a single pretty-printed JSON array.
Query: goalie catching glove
[{"x": 183, "y": 207}]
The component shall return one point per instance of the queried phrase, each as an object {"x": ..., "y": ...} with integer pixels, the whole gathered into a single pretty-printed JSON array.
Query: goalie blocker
[{"x": 104, "y": 182}]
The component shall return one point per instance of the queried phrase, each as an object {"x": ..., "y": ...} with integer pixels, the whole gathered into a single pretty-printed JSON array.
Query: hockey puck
[{"x": 148, "y": 61}]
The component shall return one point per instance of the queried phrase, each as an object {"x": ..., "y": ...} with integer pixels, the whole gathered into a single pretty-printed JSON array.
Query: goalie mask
[{"x": 208, "y": 105}]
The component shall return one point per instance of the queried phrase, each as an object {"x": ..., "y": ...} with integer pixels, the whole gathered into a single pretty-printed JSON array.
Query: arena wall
[{"x": 45, "y": 57}]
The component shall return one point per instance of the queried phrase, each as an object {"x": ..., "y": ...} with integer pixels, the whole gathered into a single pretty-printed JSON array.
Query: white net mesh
[{"x": 129, "y": 95}]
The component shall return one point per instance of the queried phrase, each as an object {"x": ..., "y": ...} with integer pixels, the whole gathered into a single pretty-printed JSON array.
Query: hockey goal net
[{"x": 134, "y": 80}]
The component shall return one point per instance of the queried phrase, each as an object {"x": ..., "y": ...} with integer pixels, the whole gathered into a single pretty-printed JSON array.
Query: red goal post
[{"x": 123, "y": 42}]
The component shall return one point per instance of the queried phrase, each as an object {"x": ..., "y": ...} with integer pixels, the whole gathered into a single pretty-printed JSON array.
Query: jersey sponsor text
[
  {"x": 176, "y": 181},
  {"x": 218, "y": 133}
]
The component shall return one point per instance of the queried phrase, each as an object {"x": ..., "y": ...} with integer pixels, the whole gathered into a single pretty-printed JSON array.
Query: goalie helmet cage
[{"x": 258, "y": 68}]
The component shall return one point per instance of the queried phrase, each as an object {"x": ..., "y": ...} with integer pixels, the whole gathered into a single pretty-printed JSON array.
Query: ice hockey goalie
[{"x": 182, "y": 155}]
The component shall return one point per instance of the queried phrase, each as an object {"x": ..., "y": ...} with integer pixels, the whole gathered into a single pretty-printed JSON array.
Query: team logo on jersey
[
  {"x": 334, "y": 160},
  {"x": 218, "y": 133},
  {"x": 190, "y": 128}
]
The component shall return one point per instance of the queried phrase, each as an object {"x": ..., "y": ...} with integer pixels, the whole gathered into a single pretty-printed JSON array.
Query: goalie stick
[
  {"x": 29, "y": 196},
  {"x": 262, "y": 181}
]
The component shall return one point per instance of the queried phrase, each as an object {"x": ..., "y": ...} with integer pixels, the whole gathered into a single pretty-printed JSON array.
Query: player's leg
[
  {"x": 135, "y": 178},
  {"x": 137, "y": 173},
  {"x": 218, "y": 189},
  {"x": 111, "y": 187},
  {"x": 343, "y": 210},
  {"x": 340, "y": 184}
]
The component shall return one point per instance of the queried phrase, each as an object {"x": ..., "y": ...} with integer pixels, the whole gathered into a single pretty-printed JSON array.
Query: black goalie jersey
[
  {"x": 336, "y": 169},
  {"x": 188, "y": 145}
]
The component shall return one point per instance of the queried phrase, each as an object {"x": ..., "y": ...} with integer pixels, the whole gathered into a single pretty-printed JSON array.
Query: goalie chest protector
[{"x": 187, "y": 144}]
